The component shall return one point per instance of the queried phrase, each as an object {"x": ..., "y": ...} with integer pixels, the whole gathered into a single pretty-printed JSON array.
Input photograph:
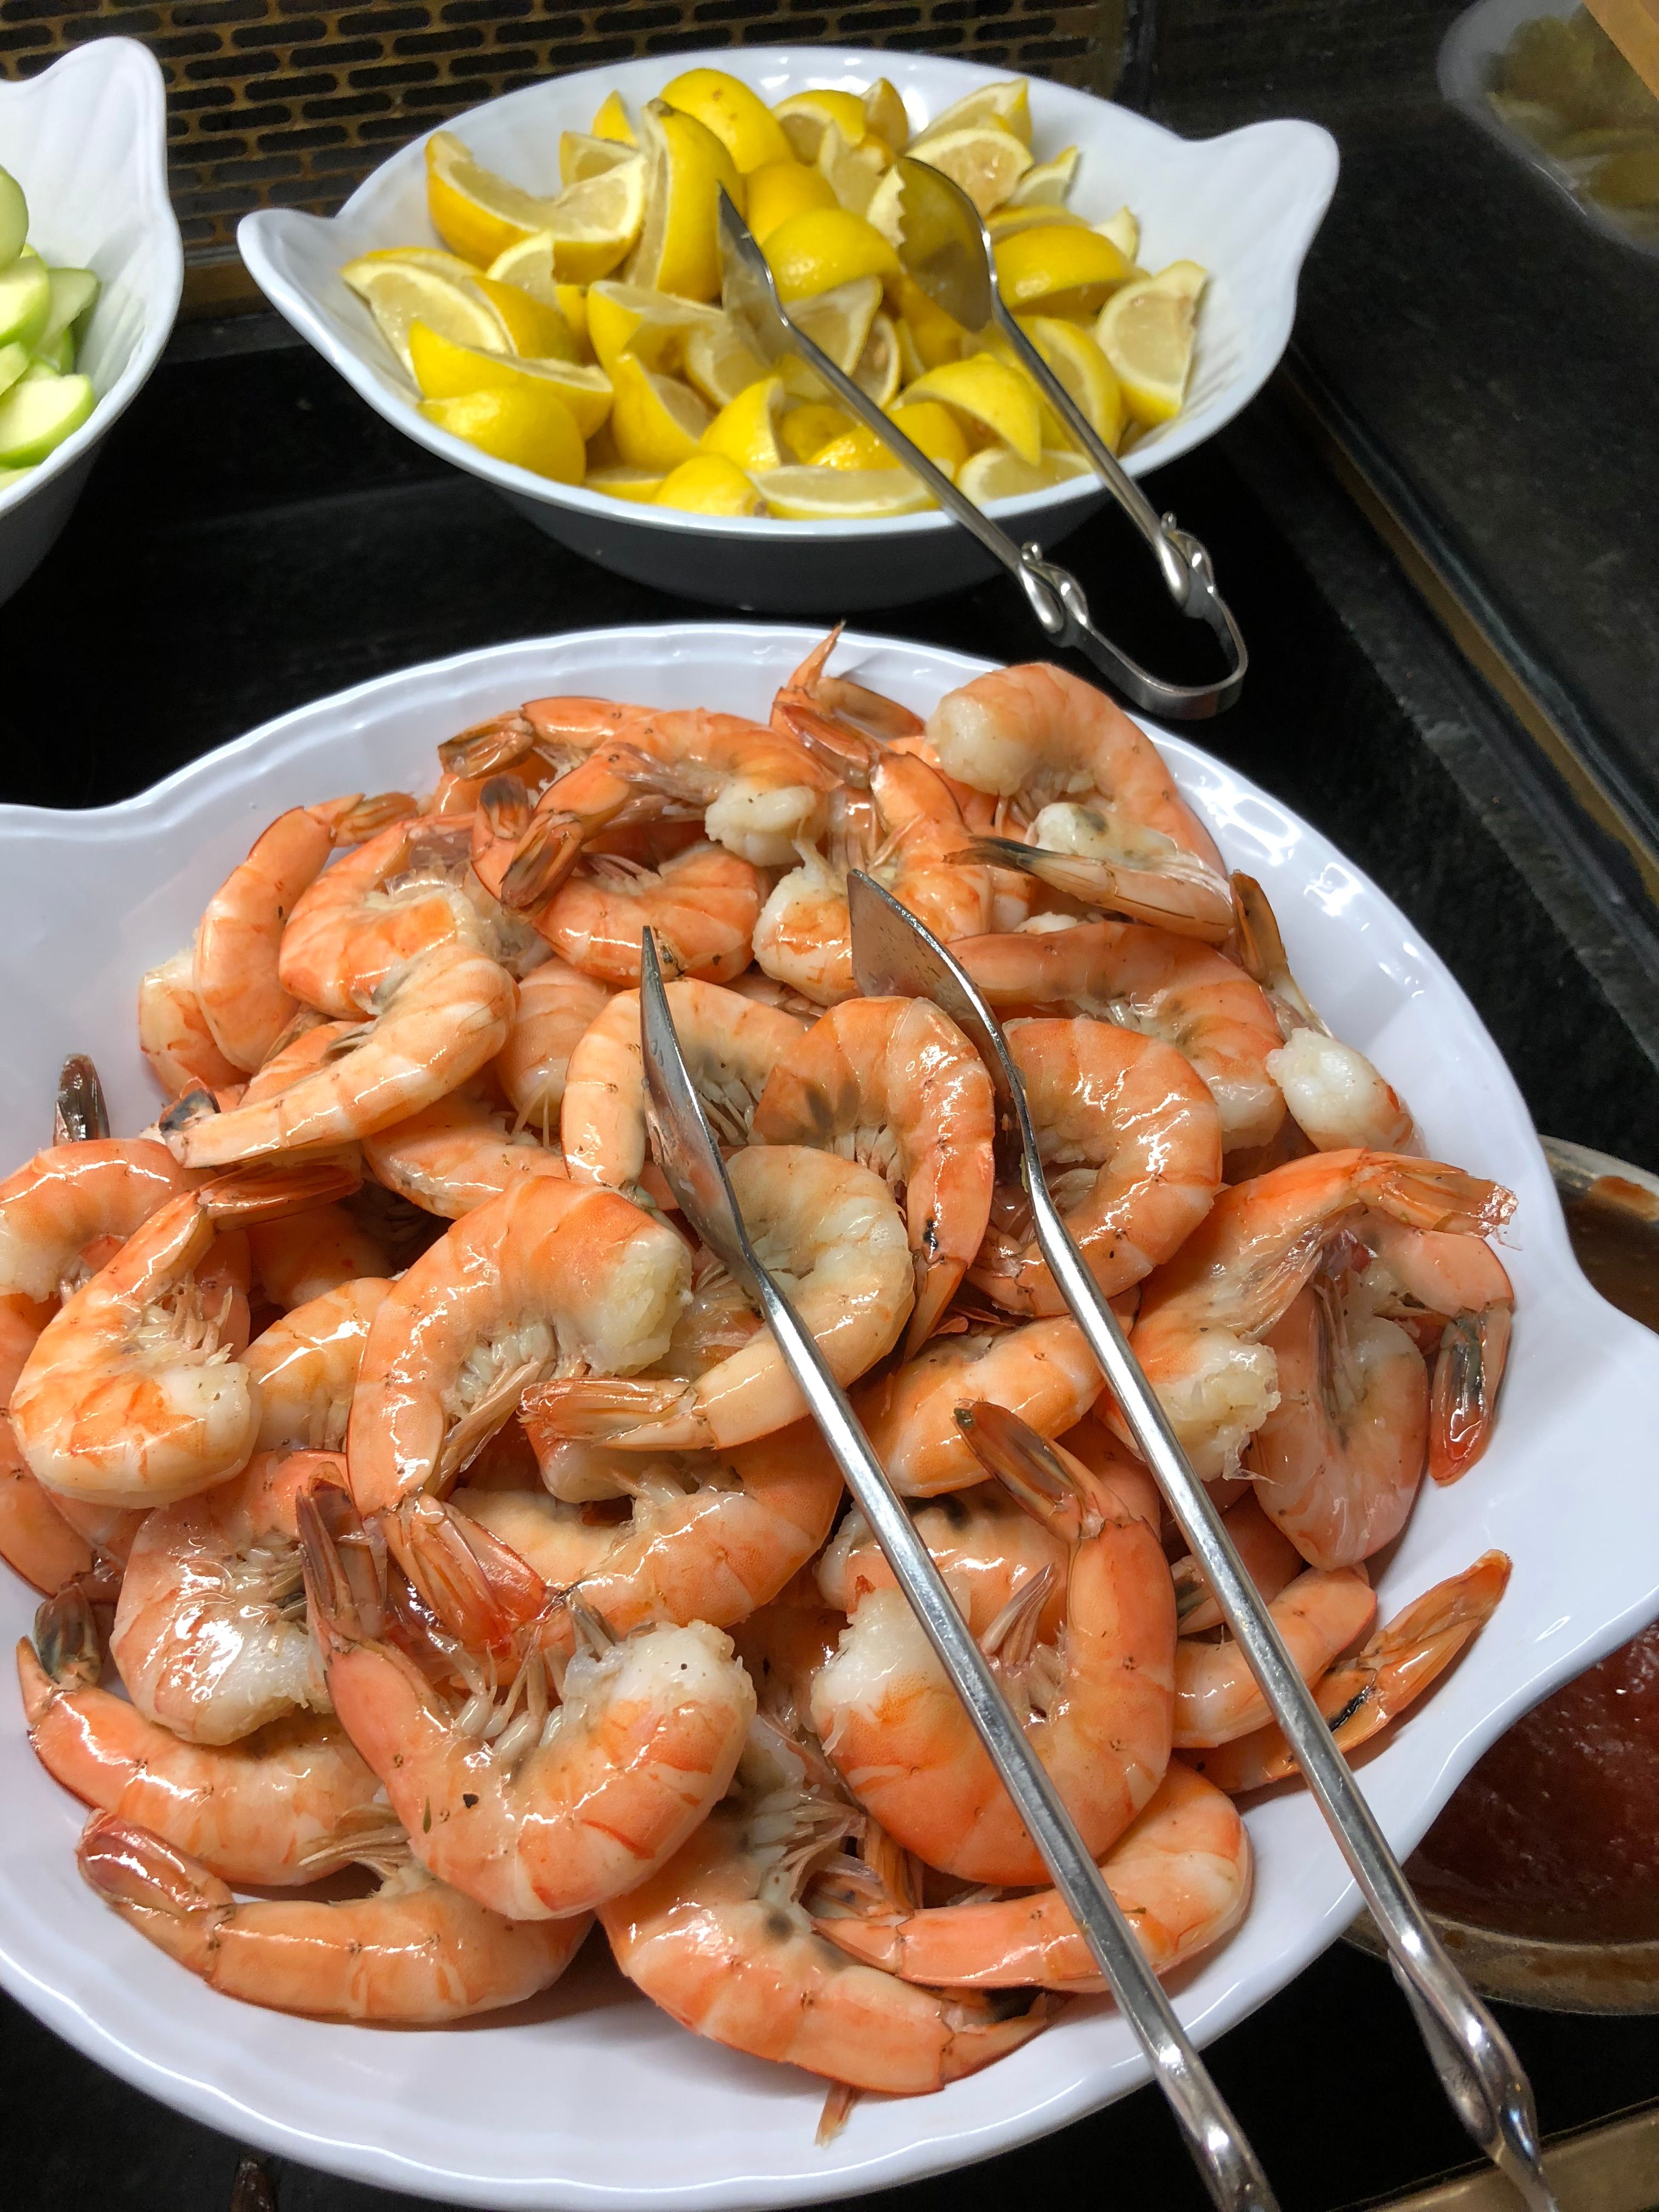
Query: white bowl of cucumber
[{"x": 90, "y": 272}]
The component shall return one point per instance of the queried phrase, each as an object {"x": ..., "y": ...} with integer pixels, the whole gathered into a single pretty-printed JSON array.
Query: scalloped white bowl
[
  {"x": 86, "y": 140},
  {"x": 1246, "y": 205},
  {"x": 593, "y": 2100}
]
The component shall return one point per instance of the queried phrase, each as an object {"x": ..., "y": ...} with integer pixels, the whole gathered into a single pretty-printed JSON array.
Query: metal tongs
[
  {"x": 946, "y": 249},
  {"x": 893, "y": 955}
]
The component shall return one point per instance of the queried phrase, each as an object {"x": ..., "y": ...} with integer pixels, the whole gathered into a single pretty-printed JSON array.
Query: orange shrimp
[
  {"x": 556, "y": 1006},
  {"x": 1319, "y": 1615},
  {"x": 173, "y": 1034},
  {"x": 306, "y": 1254},
  {"x": 702, "y": 905},
  {"x": 1419, "y": 1275},
  {"x": 64, "y": 1200},
  {"x": 454, "y": 1154}
]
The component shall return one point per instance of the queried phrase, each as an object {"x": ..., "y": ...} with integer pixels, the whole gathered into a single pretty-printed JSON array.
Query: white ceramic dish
[
  {"x": 593, "y": 2100},
  {"x": 1246, "y": 205},
  {"x": 1469, "y": 55},
  {"x": 86, "y": 140}
]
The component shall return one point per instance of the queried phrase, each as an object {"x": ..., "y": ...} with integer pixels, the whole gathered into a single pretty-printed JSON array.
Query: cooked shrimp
[
  {"x": 283, "y": 1807},
  {"x": 305, "y": 1366},
  {"x": 703, "y": 904},
  {"x": 435, "y": 1023},
  {"x": 307, "y": 1254},
  {"x": 830, "y": 1231},
  {"x": 1132, "y": 1142},
  {"x": 1319, "y": 1615},
  {"x": 406, "y": 892},
  {"x": 209, "y": 1636},
  {"x": 1338, "y": 1461},
  {"x": 731, "y": 1046},
  {"x": 36, "y": 1541},
  {"x": 893, "y": 1084},
  {"x": 415, "y": 1955},
  {"x": 557, "y": 1004},
  {"x": 782, "y": 1646},
  {"x": 909, "y": 834},
  {"x": 1098, "y": 862},
  {"x": 236, "y": 969},
  {"x": 1098, "y": 1702},
  {"x": 1203, "y": 1313},
  {"x": 1362, "y": 1695},
  {"x": 547, "y": 1272},
  {"x": 986, "y": 1545},
  {"x": 1043, "y": 740},
  {"x": 129, "y": 1397},
  {"x": 835, "y": 717},
  {"x": 1181, "y": 1873},
  {"x": 1270, "y": 1559},
  {"x": 1042, "y": 1372},
  {"x": 454, "y": 1154},
  {"x": 719, "y": 1939},
  {"x": 1166, "y": 987},
  {"x": 173, "y": 1034},
  {"x": 1417, "y": 1275},
  {"x": 538, "y": 1814},
  {"x": 65, "y": 1199}
]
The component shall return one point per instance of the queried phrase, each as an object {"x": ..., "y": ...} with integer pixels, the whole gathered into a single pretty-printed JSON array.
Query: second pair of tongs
[{"x": 946, "y": 249}]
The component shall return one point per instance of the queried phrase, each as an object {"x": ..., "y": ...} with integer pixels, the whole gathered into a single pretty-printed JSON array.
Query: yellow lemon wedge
[
  {"x": 938, "y": 337},
  {"x": 708, "y": 483},
  {"x": 884, "y": 114},
  {"x": 1186, "y": 279},
  {"x": 1147, "y": 331},
  {"x": 445, "y": 370},
  {"x": 993, "y": 394},
  {"x": 738, "y": 117},
  {"x": 857, "y": 448},
  {"x": 804, "y": 116},
  {"x": 878, "y": 368},
  {"x": 1003, "y": 222},
  {"x": 854, "y": 173},
  {"x": 400, "y": 293},
  {"x": 988, "y": 163},
  {"x": 1005, "y": 107},
  {"x": 640, "y": 486},
  {"x": 839, "y": 321},
  {"x": 582, "y": 156},
  {"x": 746, "y": 429},
  {"x": 1059, "y": 269},
  {"x": 718, "y": 362},
  {"x": 1046, "y": 183},
  {"x": 531, "y": 326},
  {"x": 931, "y": 425},
  {"x": 477, "y": 214},
  {"x": 814, "y": 423},
  {"x": 806, "y": 493},
  {"x": 654, "y": 326},
  {"x": 1085, "y": 371},
  {"x": 998, "y": 474},
  {"x": 595, "y": 221},
  {"x": 823, "y": 247},
  {"x": 656, "y": 421},
  {"x": 1124, "y": 231},
  {"x": 679, "y": 249},
  {"x": 532, "y": 430},
  {"x": 782, "y": 189},
  {"x": 529, "y": 264},
  {"x": 612, "y": 120}
]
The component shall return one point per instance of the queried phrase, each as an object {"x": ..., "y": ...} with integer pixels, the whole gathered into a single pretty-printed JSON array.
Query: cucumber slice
[
  {"x": 73, "y": 291},
  {"x": 25, "y": 301},
  {"x": 14, "y": 219},
  {"x": 14, "y": 361},
  {"x": 38, "y": 413},
  {"x": 54, "y": 353}
]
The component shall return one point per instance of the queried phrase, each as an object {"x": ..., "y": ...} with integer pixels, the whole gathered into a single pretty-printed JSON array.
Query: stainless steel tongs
[
  {"x": 894, "y": 955},
  {"x": 947, "y": 252}
]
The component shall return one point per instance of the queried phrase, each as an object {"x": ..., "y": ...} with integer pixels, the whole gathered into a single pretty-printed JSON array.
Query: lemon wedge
[
  {"x": 654, "y": 326},
  {"x": 445, "y": 370},
  {"x": 640, "y": 486},
  {"x": 1146, "y": 332},
  {"x": 993, "y": 394},
  {"x": 708, "y": 483},
  {"x": 1060, "y": 269},
  {"x": 822, "y": 248},
  {"x": 805, "y": 493},
  {"x": 937, "y": 337},
  {"x": 854, "y": 173},
  {"x": 878, "y": 368},
  {"x": 529, "y": 264},
  {"x": 719, "y": 363},
  {"x": 782, "y": 189},
  {"x": 745, "y": 431},
  {"x": 805, "y": 116},
  {"x": 533, "y": 430},
  {"x": 1124, "y": 231},
  {"x": 987, "y": 162},
  {"x": 400, "y": 293},
  {"x": 857, "y": 448},
  {"x": 1046, "y": 183},
  {"x": 998, "y": 474},
  {"x": 839, "y": 321},
  {"x": 655, "y": 421},
  {"x": 477, "y": 214},
  {"x": 678, "y": 250},
  {"x": 1003, "y": 222},
  {"x": 612, "y": 120},
  {"x": 1004, "y": 106},
  {"x": 930, "y": 425},
  {"x": 531, "y": 326},
  {"x": 884, "y": 114},
  {"x": 1085, "y": 371},
  {"x": 804, "y": 429},
  {"x": 594, "y": 222},
  {"x": 738, "y": 117}
]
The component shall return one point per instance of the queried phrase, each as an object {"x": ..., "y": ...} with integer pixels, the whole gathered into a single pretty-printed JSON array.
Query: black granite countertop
[{"x": 255, "y": 537}]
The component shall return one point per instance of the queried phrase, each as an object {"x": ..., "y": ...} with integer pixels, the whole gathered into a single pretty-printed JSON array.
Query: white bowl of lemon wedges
[{"x": 533, "y": 294}]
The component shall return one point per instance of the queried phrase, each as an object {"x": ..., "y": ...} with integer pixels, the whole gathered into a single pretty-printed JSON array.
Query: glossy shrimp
[
  {"x": 66, "y": 1199},
  {"x": 452, "y": 1155},
  {"x": 415, "y": 1954},
  {"x": 305, "y": 1366},
  {"x": 547, "y": 1811},
  {"x": 1426, "y": 1279},
  {"x": 173, "y": 1034},
  {"x": 836, "y": 715},
  {"x": 701, "y": 904},
  {"x": 306, "y": 1254},
  {"x": 1318, "y": 1616},
  {"x": 893, "y": 1084},
  {"x": 557, "y": 1005}
]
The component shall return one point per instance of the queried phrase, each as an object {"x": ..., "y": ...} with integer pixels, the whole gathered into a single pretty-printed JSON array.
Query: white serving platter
[{"x": 592, "y": 2099}]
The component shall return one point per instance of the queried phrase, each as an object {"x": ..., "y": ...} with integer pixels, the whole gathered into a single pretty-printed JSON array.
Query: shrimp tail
[
  {"x": 66, "y": 1638},
  {"x": 599, "y": 1408},
  {"x": 343, "y": 1565},
  {"x": 272, "y": 1189},
  {"x": 168, "y": 1896},
  {"x": 487, "y": 748},
  {"x": 1468, "y": 1373},
  {"x": 1186, "y": 904},
  {"x": 1028, "y": 1466},
  {"x": 1430, "y": 1195},
  {"x": 480, "y": 1589}
]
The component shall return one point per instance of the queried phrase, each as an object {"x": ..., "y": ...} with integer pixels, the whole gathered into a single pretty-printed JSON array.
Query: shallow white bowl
[
  {"x": 86, "y": 140},
  {"x": 593, "y": 2099},
  {"x": 1246, "y": 206}
]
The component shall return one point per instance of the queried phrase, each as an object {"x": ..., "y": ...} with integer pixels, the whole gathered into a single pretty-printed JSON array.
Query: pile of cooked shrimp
[{"x": 445, "y": 1512}]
